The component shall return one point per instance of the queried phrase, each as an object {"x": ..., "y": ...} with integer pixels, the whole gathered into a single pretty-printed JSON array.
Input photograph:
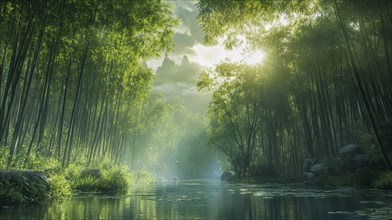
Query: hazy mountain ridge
[
  {"x": 177, "y": 83},
  {"x": 169, "y": 72}
]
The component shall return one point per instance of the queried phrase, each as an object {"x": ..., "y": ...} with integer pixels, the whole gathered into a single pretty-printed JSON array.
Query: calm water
[{"x": 201, "y": 199}]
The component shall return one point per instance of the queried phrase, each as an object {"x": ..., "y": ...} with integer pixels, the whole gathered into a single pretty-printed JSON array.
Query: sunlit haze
[{"x": 209, "y": 56}]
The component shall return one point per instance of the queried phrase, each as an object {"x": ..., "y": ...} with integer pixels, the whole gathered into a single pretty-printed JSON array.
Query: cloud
[
  {"x": 184, "y": 44},
  {"x": 188, "y": 5},
  {"x": 187, "y": 12},
  {"x": 176, "y": 75},
  {"x": 176, "y": 88}
]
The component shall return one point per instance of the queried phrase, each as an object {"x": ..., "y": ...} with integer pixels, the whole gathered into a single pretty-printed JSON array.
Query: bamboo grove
[
  {"x": 71, "y": 78},
  {"x": 326, "y": 82}
]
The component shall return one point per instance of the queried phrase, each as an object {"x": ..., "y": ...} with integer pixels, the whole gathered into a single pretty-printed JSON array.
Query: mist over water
[
  {"x": 142, "y": 109},
  {"x": 181, "y": 149},
  {"x": 207, "y": 199}
]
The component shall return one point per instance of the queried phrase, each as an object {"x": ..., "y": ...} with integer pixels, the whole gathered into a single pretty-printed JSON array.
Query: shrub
[
  {"x": 22, "y": 187},
  {"x": 339, "y": 180},
  {"x": 59, "y": 187},
  {"x": 63, "y": 182},
  {"x": 142, "y": 176},
  {"x": 264, "y": 172},
  {"x": 384, "y": 181},
  {"x": 72, "y": 173},
  {"x": 112, "y": 179}
]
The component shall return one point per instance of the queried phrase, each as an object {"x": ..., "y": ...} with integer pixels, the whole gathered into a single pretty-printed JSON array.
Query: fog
[{"x": 188, "y": 156}]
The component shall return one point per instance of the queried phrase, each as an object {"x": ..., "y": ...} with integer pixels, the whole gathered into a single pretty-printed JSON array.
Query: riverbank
[
  {"x": 362, "y": 179},
  {"x": 212, "y": 199},
  {"x": 44, "y": 179}
]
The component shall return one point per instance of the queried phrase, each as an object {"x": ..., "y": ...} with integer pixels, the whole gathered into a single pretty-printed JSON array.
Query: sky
[
  {"x": 188, "y": 35},
  {"x": 177, "y": 74},
  {"x": 176, "y": 78},
  {"x": 189, "y": 41}
]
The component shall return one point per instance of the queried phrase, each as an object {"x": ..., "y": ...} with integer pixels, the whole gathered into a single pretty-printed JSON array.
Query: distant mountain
[
  {"x": 169, "y": 72},
  {"x": 185, "y": 61},
  {"x": 178, "y": 82}
]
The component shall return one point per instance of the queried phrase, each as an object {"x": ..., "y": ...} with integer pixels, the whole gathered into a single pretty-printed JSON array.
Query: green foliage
[
  {"x": 92, "y": 46},
  {"x": 51, "y": 167},
  {"x": 89, "y": 81},
  {"x": 3, "y": 158},
  {"x": 18, "y": 188},
  {"x": 306, "y": 99},
  {"x": 72, "y": 172},
  {"x": 63, "y": 182},
  {"x": 339, "y": 181},
  {"x": 194, "y": 158},
  {"x": 116, "y": 179},
  {"x": 10, "y": 195},
  {"x": 60, "y": 187},
  {"x": 263, "y": 172},
  {"x": 384, "y": 181},
  {"x": 249, "y": 104},
  {"x": 361, "y": 178},
  {"x": 112, "y": 180},
  {"x": 142, "y": 176}
]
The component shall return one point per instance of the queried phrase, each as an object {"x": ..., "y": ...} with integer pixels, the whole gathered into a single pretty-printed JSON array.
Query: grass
[
  {"x": 17, "y": 188},
  {"x": 64, "y": 182},
  {"x": 112, "y": 179},
  {"x": 384, "y": 181}
]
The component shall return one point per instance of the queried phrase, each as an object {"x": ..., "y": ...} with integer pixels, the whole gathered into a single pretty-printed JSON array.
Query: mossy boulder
[
  {"x": 23, "y": 186},
  {"x": 353, "y": 157},
  {"x": 315, "y": 172},
  {"x": 228, "y": 176},
  {"x": 101, "y": 180},
  {"x": 93, "y": 173}
]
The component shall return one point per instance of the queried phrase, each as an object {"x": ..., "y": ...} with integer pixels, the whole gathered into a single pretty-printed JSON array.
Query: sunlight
[
  {"x": 210, "y": 56},
  {"x": 255, "y": 57},
  {"x": 283, "y": 20}
]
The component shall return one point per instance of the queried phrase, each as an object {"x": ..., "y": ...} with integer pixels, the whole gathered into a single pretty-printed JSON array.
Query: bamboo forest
[{"x": 196, "y": 109}]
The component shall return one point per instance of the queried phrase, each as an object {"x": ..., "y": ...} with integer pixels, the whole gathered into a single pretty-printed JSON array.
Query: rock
[
  {"x": 227, "y": 176},
  {"x": 353, "y": 157},
  {"x": 316, "y": 174},
  {"x": 309, "y": 178},
  {"x": 94, "y": 173},
  {"x": 29, "y": 176},
  {"x": 314, "y": 171},
  {"x": 350, "y": 151},
  {"x": 361, "y": 159},
  {"x": 318, "y": 168},
  {"x": 23, "y": 186},
  {"x": 174, "y": 179},
  {"x": 309, "y": 162}
]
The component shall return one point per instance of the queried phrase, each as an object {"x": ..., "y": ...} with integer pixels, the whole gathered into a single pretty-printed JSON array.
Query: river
[{"x": 208, "y": 199}]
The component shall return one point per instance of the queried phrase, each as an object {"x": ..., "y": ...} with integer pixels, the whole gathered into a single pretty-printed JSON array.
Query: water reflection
[{"x": 213, "y": 200}]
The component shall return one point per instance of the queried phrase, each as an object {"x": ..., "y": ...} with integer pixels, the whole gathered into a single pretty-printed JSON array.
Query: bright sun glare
[
  {"x": 213, "y": 55},
  {"x": 250, "y": 58}
]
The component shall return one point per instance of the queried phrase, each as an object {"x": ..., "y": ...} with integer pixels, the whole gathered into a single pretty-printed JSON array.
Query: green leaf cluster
[
  {"x": 78, "y": 76},
  {"x": 324, "y": 83}
]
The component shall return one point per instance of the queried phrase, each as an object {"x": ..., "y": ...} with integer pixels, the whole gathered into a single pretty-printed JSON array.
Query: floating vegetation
[
  {"x": 369, "y": 213},
  {"x": 341, "y": 213},
  {"x": 375, "y": 202}
]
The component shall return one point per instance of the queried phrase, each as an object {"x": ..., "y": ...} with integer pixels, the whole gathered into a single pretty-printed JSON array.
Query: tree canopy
[
  {"x": 71, "y": 76},
  {"x": 326, "y": 81}
]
